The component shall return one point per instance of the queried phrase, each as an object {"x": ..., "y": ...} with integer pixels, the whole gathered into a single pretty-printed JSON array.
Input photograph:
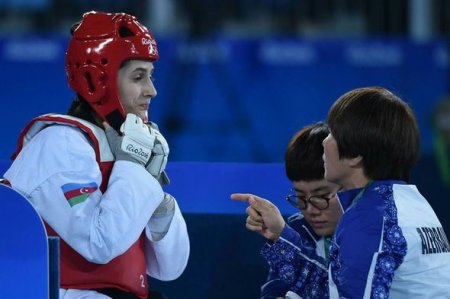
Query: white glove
[
  {"x": 136, "y": 143},
  {"x": 166, "y": 206},
  {"x": 161, "y": 219},
  {"x": 159, "y": 155}
]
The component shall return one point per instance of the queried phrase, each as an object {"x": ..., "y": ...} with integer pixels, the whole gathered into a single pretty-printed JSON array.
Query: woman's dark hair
[
  {"x": 303, "y": 156},
  {"x": 377, "y": 125},
  {"x": 81, "y": 109}
]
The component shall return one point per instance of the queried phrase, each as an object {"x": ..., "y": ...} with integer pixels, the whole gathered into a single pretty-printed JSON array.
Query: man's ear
[{"x": 355, "y": 162}]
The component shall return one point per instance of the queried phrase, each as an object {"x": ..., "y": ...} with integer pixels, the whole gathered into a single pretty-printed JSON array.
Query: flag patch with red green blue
[{"x": 77, "y": 193}]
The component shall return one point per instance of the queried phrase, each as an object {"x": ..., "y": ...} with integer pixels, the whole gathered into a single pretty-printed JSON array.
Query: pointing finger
[{"x": 244, "y": 197}]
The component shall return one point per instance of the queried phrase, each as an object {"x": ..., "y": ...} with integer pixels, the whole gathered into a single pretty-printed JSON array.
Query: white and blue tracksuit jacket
[{"x": 389, "y": 244}]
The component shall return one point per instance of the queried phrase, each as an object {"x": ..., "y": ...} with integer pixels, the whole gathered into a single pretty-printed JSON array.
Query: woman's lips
[
  {"x": 144, "y": 106},
  {"x": 318, "y": 224}
]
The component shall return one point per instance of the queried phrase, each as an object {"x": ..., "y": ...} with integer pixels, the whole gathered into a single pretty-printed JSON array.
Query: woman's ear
[{"x": 355, "y": 162}]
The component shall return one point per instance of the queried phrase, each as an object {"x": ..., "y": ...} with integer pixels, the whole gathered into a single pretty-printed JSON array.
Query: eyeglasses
[{"x": 320, "y": 202}]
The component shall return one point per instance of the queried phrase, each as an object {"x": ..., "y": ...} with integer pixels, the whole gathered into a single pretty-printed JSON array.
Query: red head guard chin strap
[{"x": 99, "y": 46}]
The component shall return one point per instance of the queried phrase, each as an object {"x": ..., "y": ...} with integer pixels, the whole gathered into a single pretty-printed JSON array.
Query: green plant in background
[{"x": 441, "y": 126}]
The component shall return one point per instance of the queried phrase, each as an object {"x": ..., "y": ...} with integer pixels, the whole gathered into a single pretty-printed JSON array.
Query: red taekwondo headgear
[{"x": 99, "y": 46}]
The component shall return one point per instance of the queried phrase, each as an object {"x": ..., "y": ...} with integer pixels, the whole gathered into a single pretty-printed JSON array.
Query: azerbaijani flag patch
[{"x": 77, "y": 193}]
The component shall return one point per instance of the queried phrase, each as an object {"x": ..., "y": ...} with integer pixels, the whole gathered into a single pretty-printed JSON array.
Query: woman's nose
[
  {"x": 150, "y": 90},
  {"x": 310, "y": 209}
]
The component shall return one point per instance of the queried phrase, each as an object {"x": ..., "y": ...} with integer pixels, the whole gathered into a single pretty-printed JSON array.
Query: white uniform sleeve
[
  {"x": 104, "y": 225},
  {"x": 167, "y": 258}
]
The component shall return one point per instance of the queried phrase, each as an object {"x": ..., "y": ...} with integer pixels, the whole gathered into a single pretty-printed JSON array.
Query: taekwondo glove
[
  {"x": 161, "y": 219},
  {"x": 135, "y": 144},
  {"x": 158, "y": 159},
  {"x": 166, "y": 206}
]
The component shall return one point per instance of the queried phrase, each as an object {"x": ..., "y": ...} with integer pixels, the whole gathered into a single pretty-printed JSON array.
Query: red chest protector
[{"x": 126, "y": 272}]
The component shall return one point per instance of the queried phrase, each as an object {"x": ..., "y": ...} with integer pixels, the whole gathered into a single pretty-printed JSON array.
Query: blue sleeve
[
  {"x": 354, "y": 250},
  {"x": 294, "y": 266}
]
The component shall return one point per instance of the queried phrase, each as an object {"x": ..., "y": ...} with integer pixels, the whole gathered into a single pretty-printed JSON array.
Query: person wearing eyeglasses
[{"x": 297, "y": 250}]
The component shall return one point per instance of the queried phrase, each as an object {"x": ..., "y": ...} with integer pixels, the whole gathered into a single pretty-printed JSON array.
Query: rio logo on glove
[{"x": 137, "y": 151}]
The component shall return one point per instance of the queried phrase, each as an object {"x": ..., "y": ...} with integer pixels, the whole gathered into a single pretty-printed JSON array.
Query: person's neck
[{"x": 358, "y": 180}]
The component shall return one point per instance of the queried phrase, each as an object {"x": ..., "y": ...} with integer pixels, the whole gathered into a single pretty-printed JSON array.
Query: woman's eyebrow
[
  {"x": 139, "y": 70},
  {"x": 318, "y": 189}
]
